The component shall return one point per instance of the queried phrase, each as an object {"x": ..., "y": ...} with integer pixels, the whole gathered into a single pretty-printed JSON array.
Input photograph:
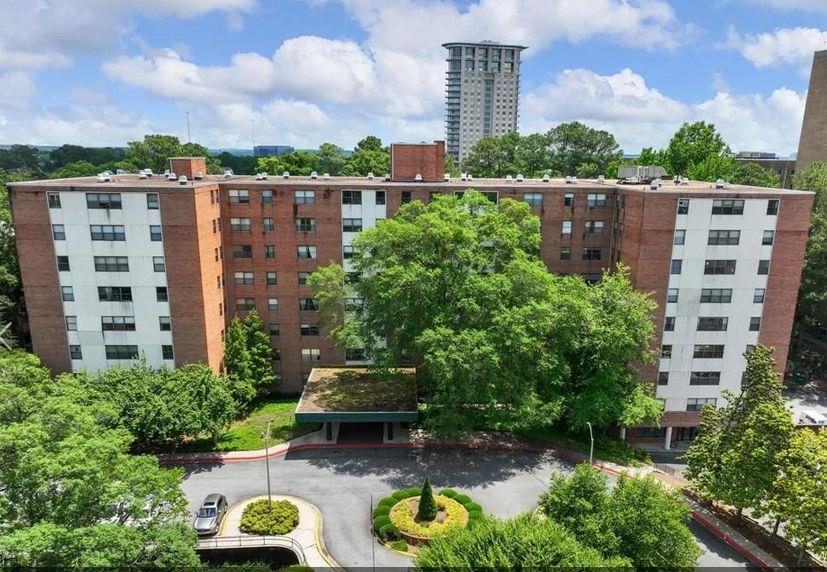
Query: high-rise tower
[
  {"x": 813, "y": 143},
  {"x": 482, "y": 93}
]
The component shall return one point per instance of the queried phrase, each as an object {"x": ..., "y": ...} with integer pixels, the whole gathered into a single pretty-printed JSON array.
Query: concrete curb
[{"x": 711, "y": 527}]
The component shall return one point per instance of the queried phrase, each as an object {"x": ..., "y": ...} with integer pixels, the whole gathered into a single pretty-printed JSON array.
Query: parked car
[
  {"x": 810, "y": 417},
  {"x": 209, "y": 516}
]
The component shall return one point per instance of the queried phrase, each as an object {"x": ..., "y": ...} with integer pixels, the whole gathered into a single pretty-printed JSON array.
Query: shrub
[
  {"x": 399, "y": 545},
  {"x": 450, "y": 493},
  {"x": 389, "y": 532},
  {"x": 474, "y": 515},
  {"x": 427, "y": 505},
  {"x": 268, "y": 518},
  {"x": 379, "y": 522},
  {"x": 472, "y": 507},
  {"x": 463, "y": 499},
  {"x": 455, "y": 517},
  {"x": 388, "y": 502},
  {"x": 412, "y": 492},
  {"x": 381, "y": 510},
  {"x": 399, "y": 496}
]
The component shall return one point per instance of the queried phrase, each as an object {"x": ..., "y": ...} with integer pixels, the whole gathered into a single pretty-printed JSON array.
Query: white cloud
[
  {"x": 786, "y": 46},
  {"x": 16, "y": 90},
  {"x": 808, "y": 5}
]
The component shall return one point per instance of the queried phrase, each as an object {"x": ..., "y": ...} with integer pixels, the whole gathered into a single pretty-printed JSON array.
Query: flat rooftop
[
  {"x": 132, "y": 182},
  {"x": 358, "y": 394}
]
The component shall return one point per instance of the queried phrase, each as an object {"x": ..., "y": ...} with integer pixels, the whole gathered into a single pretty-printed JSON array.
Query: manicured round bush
[
  {"x": 399, "y": 495},
  {"x": 266, "y": 518},
  {"x": 389, "y": 532},
  {"x": 399, "y": 545},
  {"x": 463, "y": 499},
  {"x": 412, "y": 492},
  {"x": 402, "y": 515},
  {"x": 472, "y": 506},
  {"x": 450, "y": 493},
  {"x": 381, "y": 510},
  {"x": 379, "y": 522},
  {"x": 388, "y": 502},
  {"x": 474, "y": 514}
]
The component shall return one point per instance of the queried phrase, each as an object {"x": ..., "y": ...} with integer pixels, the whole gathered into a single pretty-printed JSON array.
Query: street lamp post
[
  {"x": 591, "y": 446},
  {"x": 267, "y": 462}
]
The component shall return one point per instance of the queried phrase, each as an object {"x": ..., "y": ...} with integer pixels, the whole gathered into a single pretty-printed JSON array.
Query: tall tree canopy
[
  {"x": 692, "y": 144},
  {"x": 812, "y": 297},
  {"x": 154, "y": 152},
  {"x": 574, "y": 146},
  {"x": 457, "y": 287}
]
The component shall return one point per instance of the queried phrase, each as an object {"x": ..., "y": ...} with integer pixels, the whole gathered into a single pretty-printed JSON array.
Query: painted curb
[{"x": 710, "y": 526}]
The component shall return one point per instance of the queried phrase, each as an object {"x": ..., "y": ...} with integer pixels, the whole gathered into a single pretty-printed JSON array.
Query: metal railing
[{"x": 249, "y": 541}]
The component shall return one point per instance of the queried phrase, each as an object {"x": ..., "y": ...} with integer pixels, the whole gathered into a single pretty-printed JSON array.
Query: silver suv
[{"x": 209, "y": 516}]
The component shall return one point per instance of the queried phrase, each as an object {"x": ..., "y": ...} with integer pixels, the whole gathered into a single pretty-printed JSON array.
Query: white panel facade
[
  {"x": 140, "y": 250},
  {"x": 689, "y": 283}
]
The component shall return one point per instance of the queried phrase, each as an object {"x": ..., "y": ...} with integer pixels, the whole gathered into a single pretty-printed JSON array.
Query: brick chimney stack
[
  {"x": 188, "y": 166},
  {"x": 411, "y": 159}
]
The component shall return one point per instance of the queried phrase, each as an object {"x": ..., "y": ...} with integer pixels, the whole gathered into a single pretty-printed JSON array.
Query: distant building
[
  {"x": 482, "y": 93},
  {"x": 813, "y": 143},
  {"x": 783, "y": 166},
  {"x": 271, "y": 150}
]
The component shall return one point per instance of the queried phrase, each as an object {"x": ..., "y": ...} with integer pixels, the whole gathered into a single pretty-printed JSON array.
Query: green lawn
[{"x": 248, "y": 434}]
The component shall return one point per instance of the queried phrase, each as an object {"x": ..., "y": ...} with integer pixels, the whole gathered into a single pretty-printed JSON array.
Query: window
[
  {"x": 672, "y": 295},
  {"x": 305, "y": 225},
  {"x": 244, "y": 278},
  {"x": 72, "y": 323},
  {"x": 533, "y": 199},
  {"x": 719, "y": 267},
  {"x": 269, "y": 251},
  {"x": 58, "y": 232},
  {"x": 724, "y": 237},
  {"x": 161, "y": 294},
  {"x": 308, "y": 304},
  {"x": 303, "y": 278},
  {"x": 566, "y": 227},
  {"x": 669, "y": 324},
  {"x": 118, "y": 323},
  {"x": 351, "y": 225},
  {"x": 221, "y": 311},
  {"x": 406, "y": 197},
  {"x": 155, "y": 233},
  {"x": 351, "y": 197},
  {"x": 727, "y": 207},
  {"x": 267, "y": 197},
  {"x": 272, "y": 278},
  {"x": 675, "y": 267},
  {"x": 111, "y": 264},
  {"x": 276, "y": 354},
  {"x": 591, "y": 254},
  {"x": 62, "y": 263},
  {"x": 490, "y": 195},
  {"x": 683, "y": 206},
  {"x": 708, "y": 351},
  {"x": 348, "y": 251},
  {"x": 712, "y": 324},
  {"x": 164, "y": 324},
  {"x": 758, "y": 295},
  {"x": 679, "y": 238},
  {"x": 755, "y": 324},
  {"x": 121, "y": 352},
  {"x": 594, "y": 227},
  {"x": 238, "y": 224},
  {"x": 75, "y": 352},
  {"x": 272, "y": 304},
  {"x": 705, "y": 378},
  {"x": 67, "y": 294},
  {"x": 242, "y": 251},
  {"x": 663, "y": 378},
  {"x": 107, "y": 232},
  {"x": 267, "y": 224},
  {"x": 158, "y": 264},
  {"x": 114, "y": 293},
  {"x": 772, "y": 207},
  {"x": 380, "y": 197},
  {"x": 244, "y": 304},
  {"x": 698, "y": 403},
  {"x": 152, "y": 201},
  {"x": 103, "y": 200},
  {"x": 311, "y": 354},
  {"x": 309, "y": 329},
  {"x": 716, "y": 295},
  {"x": 565, "y": 253},
  {"x": 238, "y": 196},
  {"x": 763, "y": 266},
  {"x": 306, "y": 251},
  {"x": 304, "y": 197},
  {"x": 54, "y": 200},
  {"x": 768, "y": 238},
  {"x": 568, "y": 199},
  {"x": 649, "y": 432},
  {"x": 596, "y": 200},
  {"x": 273, "y": 329},
  {"x": 666, "y": 351}
]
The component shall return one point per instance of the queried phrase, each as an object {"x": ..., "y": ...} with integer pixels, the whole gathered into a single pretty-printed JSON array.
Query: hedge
[
  {"x": 389, "y": 532},
  {"x": 379, "y": 522},
  {"x": 475, "y": 514},
  {"x": 399, "y": 545},
  {"x": 388, "y": 502},
  {"x": 381, "y": 510},
  {"x": 450, "y": 493},
  {"x": 266, "y": 518},
  {"x": 463, "y": 499},
  {"x": 472, "y": 507}
]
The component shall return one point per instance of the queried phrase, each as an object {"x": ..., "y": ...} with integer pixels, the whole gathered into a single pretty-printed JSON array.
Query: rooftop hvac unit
[
  {"x": 463, "y": 177},
  {"x": 228, "y": 173},
  {"x": 446, "y": 177},
  {"x": 601, "y": 179},
  {"x": 104, "y": 178},
  {"x": 684, "y": 181},
  {"x": 519, "y": 177},
  {"x": 182, "y": 180},
  {"x": 314, "y": 175},
  {"x": 508, "y": 178},
  {"x": 198, "y": 176},
  {"x": 326, "y": 176},
  {"x": 285, "y": 175},
  {"x": 171, "y": 176},
  {"x": 470, "y": 177},
  {"x": 147, "y": 172},
  {"x": 546, "y": 178},
  {"x": 387, "y": 176},
  {"x": 143, "y": 175},
  {"x": 121, "y": 172},
  {"x": 418, "y": 178},
  {"x": 720, "y": 184},
  {"x": 370, "y": 176}
]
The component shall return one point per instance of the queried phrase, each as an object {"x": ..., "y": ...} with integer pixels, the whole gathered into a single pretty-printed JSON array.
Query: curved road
[{"x": 345, "y": 483}]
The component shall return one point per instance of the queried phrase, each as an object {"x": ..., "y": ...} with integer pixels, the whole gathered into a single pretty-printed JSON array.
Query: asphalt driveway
[{"x": 344, "y": 484}]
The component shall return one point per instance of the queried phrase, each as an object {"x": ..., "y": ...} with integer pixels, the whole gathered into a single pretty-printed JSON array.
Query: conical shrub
[{"x": 427, "y": 504}]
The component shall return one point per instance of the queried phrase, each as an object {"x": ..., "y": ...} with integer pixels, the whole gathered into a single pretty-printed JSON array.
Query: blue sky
[{"x": 301, "y": 72}]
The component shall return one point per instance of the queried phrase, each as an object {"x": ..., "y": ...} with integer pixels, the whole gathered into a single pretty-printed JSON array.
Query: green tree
[
  {"x": 638, "y": 519},
  {"x": 493, "y": 157},
  {"x": 260, "y": 352},
  {"x": 756, "y": 175},
  {"x": 237, "y": 363},
  {"x": 427, "y": 504},
  {"x": 153, "y": 152},
  {"x": 532, "y": 155},
  {"x": 457, "y": 287},
  {"x": 651, "y": 156},
  {"x": 736, "y": 456},
  {"x": 21, "y": 158},
  {"x": 812, "y": 296},
  {"x": 451, "y": 168},
  {"x": 66, "y": 154},
  {"x": 197, "y": 150},
  {"x": 330, "y": 159},
  {"x": 12, "y": 302},
  {"x": 523, "y": 543},
  {"x": 691, "y": 144},
  {"x": 712, "y": 168},
  {"x": 369, "y": 143},
  {"x": 296, "y": 163},
  {"x": 77, "y": 169},
  {"x": 574, "y": 144},
  {"x": 240, "y": 164},
  {"x": 365, "y": 161}
]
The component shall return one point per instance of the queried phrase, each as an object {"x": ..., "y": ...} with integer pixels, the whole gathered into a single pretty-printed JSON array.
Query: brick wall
[
  {"x": 188, "y": 166},
  {"x": 410, "y": 159}
]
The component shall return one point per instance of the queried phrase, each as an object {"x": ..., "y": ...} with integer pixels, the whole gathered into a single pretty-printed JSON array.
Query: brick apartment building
[{"x": 156, "y": 267}]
